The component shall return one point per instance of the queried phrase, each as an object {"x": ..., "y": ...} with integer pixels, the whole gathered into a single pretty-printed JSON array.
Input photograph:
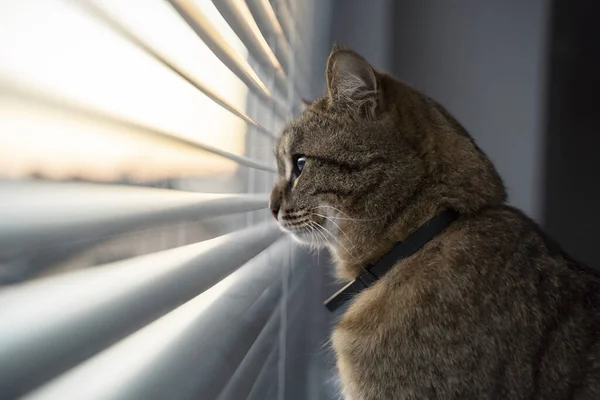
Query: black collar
[{"x": 401, "y": 250}]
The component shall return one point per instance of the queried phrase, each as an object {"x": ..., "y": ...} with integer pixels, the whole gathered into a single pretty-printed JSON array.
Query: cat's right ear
[{"x": 352, "y": 83}]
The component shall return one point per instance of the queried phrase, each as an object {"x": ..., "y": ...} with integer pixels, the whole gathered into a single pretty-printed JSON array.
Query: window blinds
[{"x": 136, "y": 155}]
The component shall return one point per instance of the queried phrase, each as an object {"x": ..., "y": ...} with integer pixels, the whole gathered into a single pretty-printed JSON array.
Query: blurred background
[{"x": 137, "y": 257}]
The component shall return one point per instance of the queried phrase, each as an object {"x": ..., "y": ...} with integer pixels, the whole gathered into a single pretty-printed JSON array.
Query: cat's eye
[{"x": 300, "y": 163}]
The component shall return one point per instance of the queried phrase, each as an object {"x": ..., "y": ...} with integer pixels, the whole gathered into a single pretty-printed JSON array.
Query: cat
[{"x": 489, "y": 308}]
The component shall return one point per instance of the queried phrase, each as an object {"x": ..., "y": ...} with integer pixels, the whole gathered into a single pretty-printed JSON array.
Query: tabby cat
[{"x": 490, "y": 308}]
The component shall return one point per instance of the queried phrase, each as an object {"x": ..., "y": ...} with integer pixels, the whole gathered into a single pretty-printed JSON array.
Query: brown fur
[{"x": 489, "y": 309}]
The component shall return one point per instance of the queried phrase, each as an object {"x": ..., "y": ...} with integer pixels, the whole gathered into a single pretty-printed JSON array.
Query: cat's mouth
[{"x": 306, "y": 228}]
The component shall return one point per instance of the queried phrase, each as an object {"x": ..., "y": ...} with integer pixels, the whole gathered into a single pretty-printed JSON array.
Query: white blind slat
[
  {"x": 45, "y": 213},
  {"x": 237, "y": 13},
  {"x": 184, "y": 94},
  {"x": 180, "y": 341},
  {"x": 82, "y": 312},
  {"x": 195, "y": 16}
]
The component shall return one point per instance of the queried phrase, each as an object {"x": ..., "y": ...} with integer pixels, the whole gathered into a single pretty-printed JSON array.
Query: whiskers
[
  {"x": 334, "y": 223},
  {"x": 345, "y": 216},
  {"x": 336, "y": 241},
  {"x": 304, "y": 230},
  {"x": 316, "y": 235}
]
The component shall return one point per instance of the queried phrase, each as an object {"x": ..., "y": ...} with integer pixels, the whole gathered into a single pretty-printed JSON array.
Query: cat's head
[{"x": 370, "y": 161}]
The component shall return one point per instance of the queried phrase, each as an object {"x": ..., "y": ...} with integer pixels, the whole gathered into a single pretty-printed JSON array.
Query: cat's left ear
[{"x": 353, "y": 83}]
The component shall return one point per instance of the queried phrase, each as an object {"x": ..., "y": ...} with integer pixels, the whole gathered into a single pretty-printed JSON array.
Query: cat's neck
[{"x": 353, "y": 252}]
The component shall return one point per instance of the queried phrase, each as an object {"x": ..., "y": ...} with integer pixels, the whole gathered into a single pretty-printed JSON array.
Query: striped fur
[{"x": 490, "y": 309}]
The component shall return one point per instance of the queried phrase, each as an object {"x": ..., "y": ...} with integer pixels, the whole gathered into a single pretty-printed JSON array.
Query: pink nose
[
  {"x": 275, "y": 200},
  {"x": 274, "y": 210}
]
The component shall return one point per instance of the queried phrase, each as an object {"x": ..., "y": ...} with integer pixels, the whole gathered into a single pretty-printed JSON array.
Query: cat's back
[{"x": 491, "y": 308}]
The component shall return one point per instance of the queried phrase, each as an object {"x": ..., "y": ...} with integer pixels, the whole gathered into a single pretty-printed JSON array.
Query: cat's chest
[
  {"x": 382, "y": 320},
  {"x": 399, "y": 334},
  {"x": 368, "y": 344}
]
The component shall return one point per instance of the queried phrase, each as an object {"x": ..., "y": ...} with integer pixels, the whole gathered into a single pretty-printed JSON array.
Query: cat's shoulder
[{"x": 506, "y": 234}]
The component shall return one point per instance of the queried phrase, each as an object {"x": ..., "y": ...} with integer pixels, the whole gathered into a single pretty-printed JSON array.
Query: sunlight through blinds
[{"x": 137, "y": 258}]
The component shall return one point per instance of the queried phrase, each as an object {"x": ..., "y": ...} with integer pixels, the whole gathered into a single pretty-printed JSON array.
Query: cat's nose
[
  {"x": 274, "y": 210},
  {"x": 275, "y": 201}
]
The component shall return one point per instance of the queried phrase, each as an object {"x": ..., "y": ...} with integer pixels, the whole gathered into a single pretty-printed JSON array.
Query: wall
[
  {"x": 571, "y": 192},
  {"x": 366, "y": 27}
]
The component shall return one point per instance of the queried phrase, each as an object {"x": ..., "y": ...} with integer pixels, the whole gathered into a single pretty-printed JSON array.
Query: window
[{"x": 136, "y": 258}]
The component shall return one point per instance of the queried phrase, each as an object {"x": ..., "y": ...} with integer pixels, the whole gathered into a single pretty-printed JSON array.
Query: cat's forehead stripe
[
  {"x": 289, "y": 140},
  {"x": 284, "y": 145},
  {"x": 294, "y": 139},
  {"x": 283, "y": 154}
]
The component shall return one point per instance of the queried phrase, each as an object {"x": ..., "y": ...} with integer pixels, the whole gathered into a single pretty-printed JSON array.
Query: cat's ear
[{"x": 353, "y": 83}]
